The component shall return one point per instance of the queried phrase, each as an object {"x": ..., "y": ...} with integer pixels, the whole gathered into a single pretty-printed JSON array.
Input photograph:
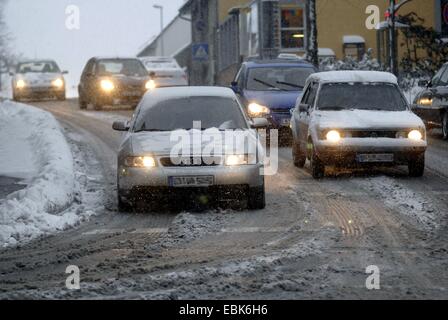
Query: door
[{"x": 304, "y": 116}]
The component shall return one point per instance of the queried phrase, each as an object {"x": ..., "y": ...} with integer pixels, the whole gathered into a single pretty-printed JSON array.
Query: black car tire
[
  {"x": 317, "y": 166},
  {"x": 61, "y": 97},
  {"x": 16, "y": 97},
  {"x": 299, "y": 157},
  {"x": 256, "y": 198},
  {"x": 445, "y": 125},
  {"x": 416, "y": 166},
  {"x": 97, "y": 105},
  {"x": 124, "y": 206}
]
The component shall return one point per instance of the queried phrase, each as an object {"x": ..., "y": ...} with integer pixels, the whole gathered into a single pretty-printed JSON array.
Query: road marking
[{"x": 130, "y": 231}]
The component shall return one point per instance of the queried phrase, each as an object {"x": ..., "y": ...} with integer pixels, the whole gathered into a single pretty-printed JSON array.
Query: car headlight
[
  {"x": 150, "y": 85},
  {"x": 333, "y": 136},
  {"x": 107, "y": 85},
  {"x": 140, "y": 162},
  {"x": 20, "y": 84},
  {"x": 58, "y": 83},
  {"x": 236, "y": 160},
  {"x": 415, "y": 135},
  {"x": 425, "y": 101},
  {"x": 257, "y": 110}
]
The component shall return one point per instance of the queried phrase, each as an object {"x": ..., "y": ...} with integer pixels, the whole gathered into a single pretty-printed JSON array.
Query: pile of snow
[{"x": 33, "y": 148}]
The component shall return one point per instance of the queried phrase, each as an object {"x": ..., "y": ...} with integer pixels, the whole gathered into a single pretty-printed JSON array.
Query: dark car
[
  {"x": 431, "y": 104},
  {"x": 38, "y": 79},
  {"x": 270, "y": 88},
  {"x": 113, "y": 81}
]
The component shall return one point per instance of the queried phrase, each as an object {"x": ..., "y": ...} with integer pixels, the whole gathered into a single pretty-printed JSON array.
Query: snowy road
[{"x": 315, "y": 239}]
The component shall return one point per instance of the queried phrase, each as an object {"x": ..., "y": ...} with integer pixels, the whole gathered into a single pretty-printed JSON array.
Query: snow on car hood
[
  {"x": 38, "y": 79},
  {"x": 362, "y": 119},
  {"x": 161, "y": 143}
]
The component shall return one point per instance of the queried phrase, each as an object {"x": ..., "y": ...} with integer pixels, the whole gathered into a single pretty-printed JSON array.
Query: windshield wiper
[
  {"x": 267, "y": 84},
  {"x": 291, "y": 84}
]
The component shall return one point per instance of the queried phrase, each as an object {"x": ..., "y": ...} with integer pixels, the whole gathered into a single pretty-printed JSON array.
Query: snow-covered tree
[{"x": 312, "y": 44}]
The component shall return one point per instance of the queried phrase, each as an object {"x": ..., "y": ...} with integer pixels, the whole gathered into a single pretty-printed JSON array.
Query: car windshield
[
  {"x": 38, "y": 67},
  {"x": 129, "y": 67},
  {"x": 161, "y": 64},
  {"x": 181, "y": 113},
  {"x": 365, "y": 96},
  {"x": 277, "y": 78}
]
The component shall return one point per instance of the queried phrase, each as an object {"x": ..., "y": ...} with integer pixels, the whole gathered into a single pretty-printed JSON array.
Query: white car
[
  {"x": 38, "y": 79},
  {"x": 165, "y": 71},
  {"x": 356, "y": 118}
]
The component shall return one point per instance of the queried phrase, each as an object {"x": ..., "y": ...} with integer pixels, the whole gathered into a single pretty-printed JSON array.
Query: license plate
[
  {"x": 191, "y": 181},
  {"x": 131, "y": 93},
  {"x": 387, "y": 157}
]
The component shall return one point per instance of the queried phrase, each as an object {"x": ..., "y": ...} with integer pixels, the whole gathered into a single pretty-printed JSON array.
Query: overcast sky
[{"x": 107, "y": 27}]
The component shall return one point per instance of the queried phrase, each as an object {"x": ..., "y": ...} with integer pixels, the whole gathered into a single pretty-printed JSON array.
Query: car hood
[
  {"x": 37, "y": 79},
  {"x": 273, "y": 99},
  {"x": 161, "y": 143},
  {"x": 364, "y": 119}
]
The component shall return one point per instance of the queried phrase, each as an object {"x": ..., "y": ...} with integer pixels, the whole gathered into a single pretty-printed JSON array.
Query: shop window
[{"x": 292, "y": 28}]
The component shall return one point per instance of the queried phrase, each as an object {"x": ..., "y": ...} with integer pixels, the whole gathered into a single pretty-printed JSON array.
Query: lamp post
[
  {"x": 393, "y": 9},
  {"x": 162, "y": 44}
]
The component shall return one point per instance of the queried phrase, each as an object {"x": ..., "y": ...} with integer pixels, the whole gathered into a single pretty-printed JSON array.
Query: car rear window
[
  {"x": 181, "y": 113},
  {"x": 365, "y": 96}
]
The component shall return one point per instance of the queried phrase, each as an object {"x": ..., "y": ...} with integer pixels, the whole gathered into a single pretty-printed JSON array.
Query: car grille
[
  {"x": 281, "y": 111},
  {"x": 192, "y": 162},
  {"x": 373, "y": 134}
]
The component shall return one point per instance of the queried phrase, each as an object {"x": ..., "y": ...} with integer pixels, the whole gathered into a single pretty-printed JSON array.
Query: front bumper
[
  {"x": 131, "y": 178},
  {"x": 39, "y": 91},
  {"x": 346, "y": 151}
]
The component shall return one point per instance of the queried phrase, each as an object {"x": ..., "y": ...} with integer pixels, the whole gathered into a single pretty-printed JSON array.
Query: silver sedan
[{"x": 190, "y": 141}]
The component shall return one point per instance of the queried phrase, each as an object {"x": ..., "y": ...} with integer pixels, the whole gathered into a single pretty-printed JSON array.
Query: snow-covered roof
[
  {"x": 326, "y": 52},
  {"x": 354, "y": 76},
  {"x": 353, "y": 39},
  {"x": 181, "y": 92}
]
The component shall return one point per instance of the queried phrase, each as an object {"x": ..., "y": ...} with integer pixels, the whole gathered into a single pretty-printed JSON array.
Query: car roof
[
  {"x": 353, "y": 76},
  {"x": 277, "y": 63},
  {"x": 115, "y": 58},
  {"x": 189, "y": 91},
  {"x": 36, "y": 61}
]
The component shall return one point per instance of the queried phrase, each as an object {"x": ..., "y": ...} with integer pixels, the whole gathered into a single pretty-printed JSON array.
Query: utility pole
[
  {"x": 162, "y": 41},
  {"x": 392, "y": 11}
]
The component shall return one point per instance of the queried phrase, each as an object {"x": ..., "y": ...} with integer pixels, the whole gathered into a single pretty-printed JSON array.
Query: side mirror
[
  {"x": 424, "y": 83},
  {"x": 120, "y": 126},
  {"x": 259, "y": 123},
  {"x": 65, "y": 72},
  {"x": 304, "y": 107},
  {"x": 234, "y": 86}
]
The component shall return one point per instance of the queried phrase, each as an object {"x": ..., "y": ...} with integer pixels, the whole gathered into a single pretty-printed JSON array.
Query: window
[
  {"x": 292, "y": 28},
  {"x": 311, "y": 97},
  {"x": 437, "y": 78}
]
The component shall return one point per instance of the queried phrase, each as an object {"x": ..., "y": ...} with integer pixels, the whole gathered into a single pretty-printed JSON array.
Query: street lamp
[{"x": 162, "y": 44}]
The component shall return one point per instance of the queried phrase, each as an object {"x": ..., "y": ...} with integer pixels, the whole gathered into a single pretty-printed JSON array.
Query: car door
[
  {"x": 88, "y": 78},
  {"x": 305, "y": 115}
]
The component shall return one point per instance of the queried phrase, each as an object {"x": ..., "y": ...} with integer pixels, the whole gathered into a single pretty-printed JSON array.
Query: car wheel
[
  {"x": 416, "y": 166},
  {"x": 445, "y": 125},
  {"x": 317, "y": 166},
  {"x": 256, "y": 198},
  {"x": 61, "y": 97},
  {"x": 124, "y": 206},
  {"x": 82, "y": 102},
  {"x": 97, "y": 105},
  {"x": 16, "y": 97},
  {"x": 299, "y": 158}
]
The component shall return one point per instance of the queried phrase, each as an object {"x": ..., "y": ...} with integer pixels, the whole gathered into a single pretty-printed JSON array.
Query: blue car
[{"x": 270, "y": 88}]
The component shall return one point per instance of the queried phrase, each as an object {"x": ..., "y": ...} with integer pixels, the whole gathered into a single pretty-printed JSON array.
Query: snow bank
[{"x": 50, "y": 189}]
